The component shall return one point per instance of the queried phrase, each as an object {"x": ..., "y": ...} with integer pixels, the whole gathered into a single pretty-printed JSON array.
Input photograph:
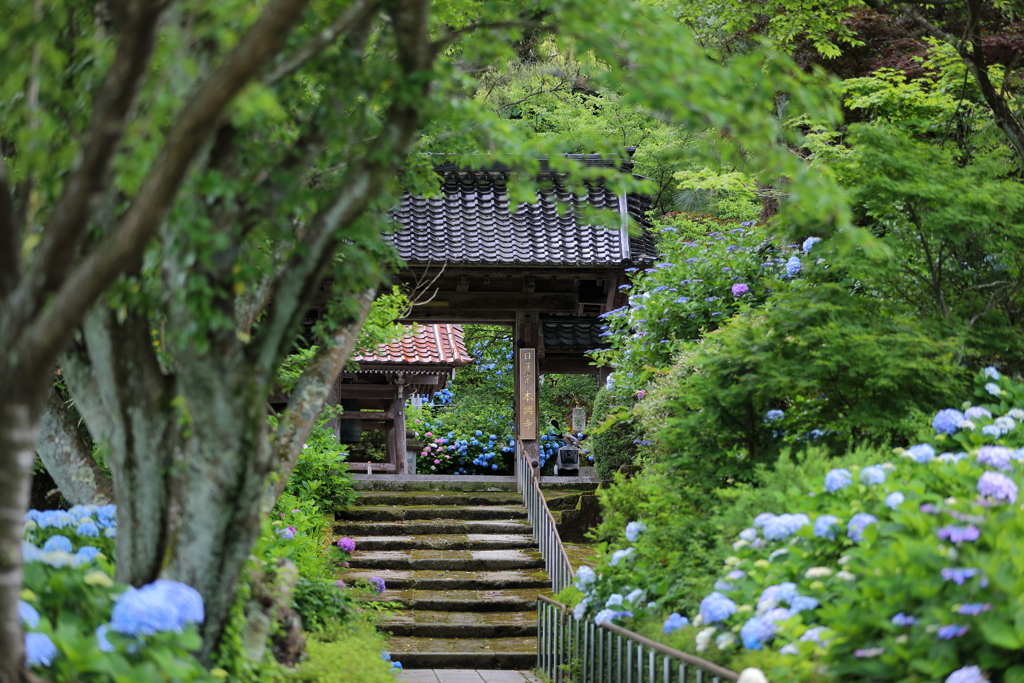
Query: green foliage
[
  {"x": 904, "y": 561},
  {"x": 320, "y": 475},
  {"x": 841, "y": 368},
  {"x": 616, "y": 444},
  {"x": 349, "y": 653}
]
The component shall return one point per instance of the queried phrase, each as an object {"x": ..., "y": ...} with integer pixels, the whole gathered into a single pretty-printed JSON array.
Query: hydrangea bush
[
  {"x": 83, "y": 626},
  {"x": 694, "y": 287},
  {"x": 902, "y": 570}
]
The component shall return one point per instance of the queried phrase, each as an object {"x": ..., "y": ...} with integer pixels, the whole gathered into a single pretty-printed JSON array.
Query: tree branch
[
  {"x": 90, "y": 179},
  {"x": 354, "y": 16},
  {"x": 525, "y": 25},
  {"x": 121, "y": 248},
  {"x": 361, "y": 184},
  {"x": 67, "y": 457},
  {"x": 310, "y": 392}
]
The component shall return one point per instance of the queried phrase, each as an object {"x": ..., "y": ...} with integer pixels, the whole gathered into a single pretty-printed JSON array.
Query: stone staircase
[{"x": 460, "y": 558}]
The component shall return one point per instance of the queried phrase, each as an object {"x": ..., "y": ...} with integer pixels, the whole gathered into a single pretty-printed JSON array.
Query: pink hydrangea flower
[{"x": 437, "y": 462}]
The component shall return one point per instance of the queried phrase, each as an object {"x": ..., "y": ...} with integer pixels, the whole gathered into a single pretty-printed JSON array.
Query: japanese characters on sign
[{"x": 527, "y": 394}]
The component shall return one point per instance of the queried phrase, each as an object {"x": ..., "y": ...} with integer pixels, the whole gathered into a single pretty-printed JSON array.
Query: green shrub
[
  {"x": 320, "y": 474},
  {"x": 615, "y": 445},
  {"x": 351, "y": 653}
]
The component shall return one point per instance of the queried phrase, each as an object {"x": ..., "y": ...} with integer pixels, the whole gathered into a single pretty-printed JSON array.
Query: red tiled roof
[{"x": 437, "y": 344}]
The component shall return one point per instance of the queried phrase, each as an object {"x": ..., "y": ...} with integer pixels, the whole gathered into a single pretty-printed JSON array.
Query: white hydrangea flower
[
  {"x": 845, "y": 575},
  {"x": 704, "y": 638},
  {"x": 817, "y": 572}
]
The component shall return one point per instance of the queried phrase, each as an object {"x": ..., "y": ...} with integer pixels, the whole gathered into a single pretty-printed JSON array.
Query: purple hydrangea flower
[
  {"x": 288, "y": 533},
  {"x": 347, "y": 544},
  {"x": 959, "y": 534},
  {"x": 946, "y": 421},
  {"x": 974, "y": 608},
  {"x": 838, "y": 479},
  {"x": 902, "y": 619},
  {"x": 958, "y": 575},
  {"x": 739, "y": 289},
  {"x": 855, "y": 529},
  {"x": 996, "y": 456},
  {"x": 950, "y": 631},
  {"x": 997, "y": 486},
  {"x": 377, "y": 584}
]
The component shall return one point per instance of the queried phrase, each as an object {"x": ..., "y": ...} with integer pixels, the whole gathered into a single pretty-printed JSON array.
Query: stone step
[
  {"x": 448, "y": 542},
  {"x": 462, "y": 560},
  {"x": 448, "y": 482},
  {"x": 443, "y": 580},
  {"x": 429, "y": 624},
  {"x": 464, "y": 653},
  {"x": 484, "y": 601},
  {"x": 392, "y": 514},
  {"x": 413, "y": 527},
  {"x": 459, "y": 498}
]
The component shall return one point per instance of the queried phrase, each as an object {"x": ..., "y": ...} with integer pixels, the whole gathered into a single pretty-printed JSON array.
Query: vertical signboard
[{"x": 527, "y": 394}]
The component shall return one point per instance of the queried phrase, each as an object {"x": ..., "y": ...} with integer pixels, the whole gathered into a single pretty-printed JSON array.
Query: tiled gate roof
[
  {"x": 434, "y": 345},
  {"x": 471, "y": 223}
]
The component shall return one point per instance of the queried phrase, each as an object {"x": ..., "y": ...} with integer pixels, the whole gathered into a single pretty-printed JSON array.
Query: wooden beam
[
  {"x": 567, "y": 366},
  {"x": 365, "y": 390},
  {"x": 366, "y": 415},
  {"x": 426, "y": 316},
  {"x": 502, "y": 301}
]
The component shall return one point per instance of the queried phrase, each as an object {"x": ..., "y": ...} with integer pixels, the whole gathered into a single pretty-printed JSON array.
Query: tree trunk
[
  {"x": 67, "y": 457},
  {"x": 17, "y": 455}
]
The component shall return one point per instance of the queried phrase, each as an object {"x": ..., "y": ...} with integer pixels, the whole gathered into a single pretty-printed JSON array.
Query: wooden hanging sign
[{"x": 527, "y": 417}]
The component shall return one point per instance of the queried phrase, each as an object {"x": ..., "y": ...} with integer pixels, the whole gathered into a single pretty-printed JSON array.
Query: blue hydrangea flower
[
  {"x": 57, "y": 543},
  {"x": 992, "y": 430},
  {"x": 756, "y": 632},
  {"x": 855, "y": 529},
  {"x": 156, "y": 607},
  {"x": 872, "y": 475},
  {"x": 28, "y": 615},
  {"x": 763, "y": 518},
  {"x": 902, "y": 619},
  {"x": 39, "y": 649},
  {"x": 614, "y": 601},
  {"x": 723, "y": 586},
  {"x": 1005, "y": 423},
  {"x": 802, "y": 603},
  {"x": 947, "y": 421},
  {"x": 633, "y": 531},
  {"x": 993, "y": 388},
  {"x": 967, "y": 674},
  {"x": 921, "y": 453},
  {"x": 992, "y": 373},
  {"x": 951, "y": 458},
  {"x": 974, "y": 608},
  {"x": 607, "y": 615},
  {"x": 773, "y": 596},
  {"x": 809, "y": 243},
  {"x": 793, "y": 266},
  {"x": 584, "y": 577},
  {"x": 748, "y": 534},
  {"x": 783, "y": 526},
  {"x": 620, "y": 555},
  {"x": 88, "y": 528},
  {"x": 773, "y": 415},
  {"x": 998, "y": 486},
  {"x": 996, "y": 456},
  {"x": 101, "y": 639},
  {"x": 838, "y": 479},
  {"x": 824, "y": 527},
  {"x": 894, "y": 500},
  {"x": 675, "y": 622},
  {"x": 635, "y": 597},
  {"x": 976, "y": 413},
  {"x": 716, "y": 607},
  {"x": 813, "y": 635}
]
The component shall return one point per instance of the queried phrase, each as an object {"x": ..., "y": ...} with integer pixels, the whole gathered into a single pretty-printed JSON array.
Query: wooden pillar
[
  {"x": 526, "y": 338},
  {"x": 398, "y": 427}
]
